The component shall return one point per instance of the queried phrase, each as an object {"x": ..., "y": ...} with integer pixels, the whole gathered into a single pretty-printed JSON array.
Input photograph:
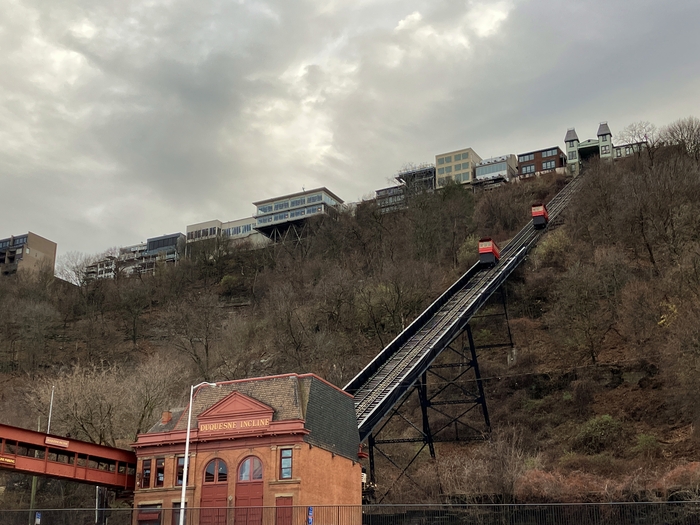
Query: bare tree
[
  {"x": 195, "y": 326},
  {"x": 108, "y": 404},
  {"x": 642, "y": 133},
  {"x": 684, "y": 133},
  {"x": 580, "y": 314},
  {"x": 72, "y": 266}
]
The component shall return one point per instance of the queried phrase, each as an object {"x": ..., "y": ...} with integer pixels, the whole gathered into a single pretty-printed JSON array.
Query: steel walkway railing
[{"x": 382, "y": 383}]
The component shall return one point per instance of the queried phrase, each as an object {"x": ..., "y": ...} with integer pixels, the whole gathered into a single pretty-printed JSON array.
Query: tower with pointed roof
[
  {"x": 605, "y": 141},
  {"x": 572, "y": 142}
]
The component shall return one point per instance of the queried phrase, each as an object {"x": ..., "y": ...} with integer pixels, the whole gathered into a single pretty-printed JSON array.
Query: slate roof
[
  {"x": 170, "y": 425},
  {"x": 603, "y": 129},
  {"x": 571, "y": 135},
  {"x": 328, "y": 412}
]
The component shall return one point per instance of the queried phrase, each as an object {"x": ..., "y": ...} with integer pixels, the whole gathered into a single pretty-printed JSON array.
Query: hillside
[{"x": 596, "y": 402}]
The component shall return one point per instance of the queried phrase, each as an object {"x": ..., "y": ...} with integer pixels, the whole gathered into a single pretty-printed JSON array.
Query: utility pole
[{"x": 32, "y": 499}]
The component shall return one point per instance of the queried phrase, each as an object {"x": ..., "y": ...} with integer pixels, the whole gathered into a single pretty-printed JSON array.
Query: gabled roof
[
  {"x": 328, "y": 412},
  {"x": 570, "y": 135},
  {"x": 603, "y": 129}
]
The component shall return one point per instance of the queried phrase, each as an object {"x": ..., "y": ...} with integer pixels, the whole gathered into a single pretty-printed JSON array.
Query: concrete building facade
[
  {"x": 277, "y": 441},
  {"x": 27, "y": 252},
  {"x": 456, "y": 166}
]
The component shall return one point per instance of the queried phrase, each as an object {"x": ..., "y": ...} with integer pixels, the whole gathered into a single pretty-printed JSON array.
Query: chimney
[{"x": 166, "y": 417}]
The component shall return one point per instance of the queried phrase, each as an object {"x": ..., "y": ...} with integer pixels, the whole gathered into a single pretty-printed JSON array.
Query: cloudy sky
[{"x": 122, "y": 120}]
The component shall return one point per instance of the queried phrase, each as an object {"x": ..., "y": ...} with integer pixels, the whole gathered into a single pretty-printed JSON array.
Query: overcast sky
[{"x": 122, "y": 120}]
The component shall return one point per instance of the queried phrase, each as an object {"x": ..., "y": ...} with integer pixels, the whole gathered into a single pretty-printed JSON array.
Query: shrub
[
  {"x": 552, "y": 251},
  {"x": 598, "y": 434},
  {"x": 230, "y": 285},
  {"x": 647, "y": 446}
]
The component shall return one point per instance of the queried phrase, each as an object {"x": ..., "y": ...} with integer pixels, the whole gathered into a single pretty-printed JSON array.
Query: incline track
[{"x": 382, "y": 383}]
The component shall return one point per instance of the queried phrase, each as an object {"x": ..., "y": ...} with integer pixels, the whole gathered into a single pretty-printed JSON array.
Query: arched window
[
  {"x": 216, "y": 472},
  {"x": 250, "y": 469}
]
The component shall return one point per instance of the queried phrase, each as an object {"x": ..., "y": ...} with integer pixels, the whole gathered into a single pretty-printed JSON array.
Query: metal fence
[{"x": 675, "y": 513}]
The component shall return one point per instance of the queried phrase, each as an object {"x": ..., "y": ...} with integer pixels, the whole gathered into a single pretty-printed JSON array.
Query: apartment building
[
  {"x": 26, "y": 252},
  {"x": 276, "y": 215},
  {"x": 534, "y": 163},
  {"x": 601, "y": 147},
  {"x": 496, "y": 170},
  {"x": 138, "y": 259},
  {"x": 412, "y": 180},
  {"x": 237, "y": 232},
  {"x": 458, "y": 166}
]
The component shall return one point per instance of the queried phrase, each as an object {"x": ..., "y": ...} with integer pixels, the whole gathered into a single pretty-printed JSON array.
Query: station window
[
  {"x": 216, "y": 472},
  {"x": 286, "y": 463},
  {"x": 146, "y": 474},
  {"x": 180, "y": 471},
  {"x": 149, "y": 515},
  {"x": 176, "y": 513},
  {"x": 250, "y": 469},
  {"x": 160, "y": 472}
]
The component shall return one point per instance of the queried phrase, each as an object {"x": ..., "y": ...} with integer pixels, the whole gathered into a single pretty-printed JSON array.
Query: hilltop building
[
  {"x": 412, "y": 180},
  {"x": 276, "y": 216},
  {"x": 535, "y": 163},
  {"x": 142, "y": 258},
  {"x": 235, "y": 232},
  {"x": 458, "y": 166},
  {"x": 602, "y": 147},
  {"x": 26, "y": 252},
  {"x": 495, "y": 171},
  {"x": 279, "y": 441}
]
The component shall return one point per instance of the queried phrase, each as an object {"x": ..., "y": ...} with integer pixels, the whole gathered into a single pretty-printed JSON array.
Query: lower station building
[{"x": 268, "y": 443}]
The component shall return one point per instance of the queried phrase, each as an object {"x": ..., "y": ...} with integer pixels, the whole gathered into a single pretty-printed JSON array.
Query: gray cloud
[{"x": 126, "y": 120}]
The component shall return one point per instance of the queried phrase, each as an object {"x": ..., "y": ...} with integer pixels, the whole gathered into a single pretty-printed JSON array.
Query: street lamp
[{"x": 187, "y": 449}]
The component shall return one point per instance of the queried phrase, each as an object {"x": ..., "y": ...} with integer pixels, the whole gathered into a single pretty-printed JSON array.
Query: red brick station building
[{"x": 280, "y": 441}]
